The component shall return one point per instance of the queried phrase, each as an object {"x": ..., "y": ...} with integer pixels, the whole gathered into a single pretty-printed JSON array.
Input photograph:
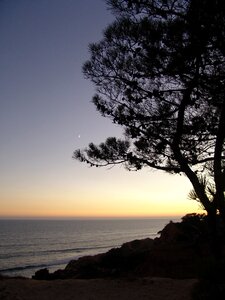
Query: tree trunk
[
  {"x": 218, "y": 168},
  {"x": 214, "y": 237}
]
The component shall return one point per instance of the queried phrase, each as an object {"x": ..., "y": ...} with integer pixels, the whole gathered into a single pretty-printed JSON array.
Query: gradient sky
[{"x": 46, "y": 113}]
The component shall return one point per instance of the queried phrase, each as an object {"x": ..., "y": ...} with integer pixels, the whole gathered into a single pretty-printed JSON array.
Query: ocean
[{"x": 29, "y": 245}]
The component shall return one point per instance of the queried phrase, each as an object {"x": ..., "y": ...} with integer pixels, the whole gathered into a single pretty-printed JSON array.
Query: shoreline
[
  {"x": 170, "y": 255},
  {"x": 78, "y": 239}
]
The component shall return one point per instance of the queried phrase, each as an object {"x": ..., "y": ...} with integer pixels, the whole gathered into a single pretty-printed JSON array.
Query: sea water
[{"x": 28, "y": 245}]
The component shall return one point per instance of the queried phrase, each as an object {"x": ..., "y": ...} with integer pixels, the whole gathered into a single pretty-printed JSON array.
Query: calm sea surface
[{"x": 28, "y": 245}]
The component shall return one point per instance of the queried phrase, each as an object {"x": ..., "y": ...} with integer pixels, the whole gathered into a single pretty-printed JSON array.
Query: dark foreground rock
[
  {"x": 180, "y": 252},
  {"x": 116, "y": 262}
]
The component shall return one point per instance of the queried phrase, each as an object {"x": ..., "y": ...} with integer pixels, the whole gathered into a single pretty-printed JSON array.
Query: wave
[
  {"x": 78, "y": 250},
  {"x": 33, "y": 267},
  {"x": 15, "y": 269},
  {"x": 57, "y": 262},
  {"x": 54, "y": 251}
]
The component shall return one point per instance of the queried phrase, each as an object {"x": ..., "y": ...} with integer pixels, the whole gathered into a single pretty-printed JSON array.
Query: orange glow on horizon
[
  {"x": 124, "y": 196},
  {"x": 51, "y": 214}
]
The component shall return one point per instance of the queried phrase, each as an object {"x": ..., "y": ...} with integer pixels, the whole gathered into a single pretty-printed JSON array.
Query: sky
[{"x": 46, "y": 113}]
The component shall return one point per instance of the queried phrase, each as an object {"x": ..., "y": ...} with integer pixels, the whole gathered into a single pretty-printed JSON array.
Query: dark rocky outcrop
[
  {"x": 114, "y": 263},
  {"x": 180, "y": 252}
]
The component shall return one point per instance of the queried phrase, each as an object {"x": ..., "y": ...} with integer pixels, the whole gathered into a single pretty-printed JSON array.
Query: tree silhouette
[{"x": 159, "y": 72}]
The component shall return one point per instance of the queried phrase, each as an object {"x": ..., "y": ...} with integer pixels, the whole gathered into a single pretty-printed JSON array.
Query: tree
[{"x": 159, "y": 72}]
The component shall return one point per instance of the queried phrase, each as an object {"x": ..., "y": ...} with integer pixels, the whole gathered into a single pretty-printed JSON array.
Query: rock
[
  {"x": 114, "y": 263},
  {"x": 179, "y": 252},
  {"x": 42, "y": 274},
  {"x": 171, "y": 233},
  {"x": 85, "y": 267},
  {"x": 136, "y": 246}
]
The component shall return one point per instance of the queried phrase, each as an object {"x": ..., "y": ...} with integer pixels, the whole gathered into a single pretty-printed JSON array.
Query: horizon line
[{"x": 89, "y": 217}]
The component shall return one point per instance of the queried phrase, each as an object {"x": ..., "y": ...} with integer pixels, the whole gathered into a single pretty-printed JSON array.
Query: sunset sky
[{"x": 46, "y": 113}]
